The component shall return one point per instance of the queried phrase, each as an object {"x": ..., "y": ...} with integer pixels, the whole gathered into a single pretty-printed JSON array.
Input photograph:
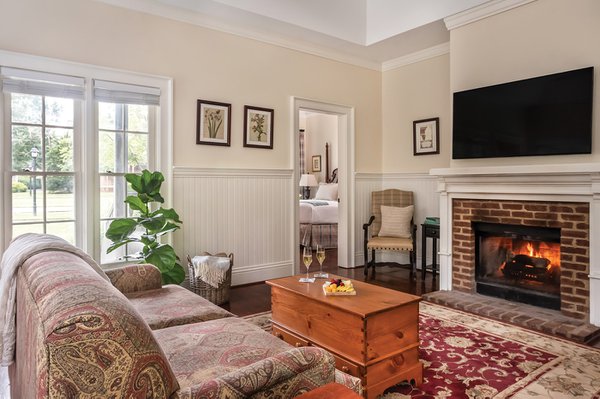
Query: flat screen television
[{"x": 546, "y": 115}]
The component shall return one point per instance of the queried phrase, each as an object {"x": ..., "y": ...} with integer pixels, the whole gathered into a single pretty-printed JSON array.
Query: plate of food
[{"x": 339, "y": 287}]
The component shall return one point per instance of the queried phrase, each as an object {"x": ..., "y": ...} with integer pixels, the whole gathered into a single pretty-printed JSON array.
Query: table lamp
[{"x": 307, "y": 180}]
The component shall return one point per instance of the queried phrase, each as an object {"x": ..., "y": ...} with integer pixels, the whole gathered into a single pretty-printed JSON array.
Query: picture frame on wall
[
  {"x": 213, "y": 124},
  {"x": 316, "y": 163},
  {"x": 258, "y": 127},
  {"x": 426, "y": 136}
]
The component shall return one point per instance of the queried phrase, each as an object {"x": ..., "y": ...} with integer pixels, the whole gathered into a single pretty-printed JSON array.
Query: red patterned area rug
[{"x": 467, "y": 356}]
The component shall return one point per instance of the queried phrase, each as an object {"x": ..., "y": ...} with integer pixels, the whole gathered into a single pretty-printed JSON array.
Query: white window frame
[
  {"x": 87, "y": 203},
  {"x": 152, "y": 135},
  {"x": 6, "y": 129}
]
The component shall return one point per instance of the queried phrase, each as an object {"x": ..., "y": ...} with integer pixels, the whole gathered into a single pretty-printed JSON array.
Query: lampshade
[{"x": 308, "y": 180}]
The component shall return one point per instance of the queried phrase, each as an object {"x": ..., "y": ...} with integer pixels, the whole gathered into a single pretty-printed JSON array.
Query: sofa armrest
[
  {"x": 132, "y": 278},
  {"x": 299, "y": 369}
]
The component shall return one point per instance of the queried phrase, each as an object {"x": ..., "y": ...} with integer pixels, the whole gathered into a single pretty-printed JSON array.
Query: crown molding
[
  {"x": 195, "y": 18},
  {"x": 482, "y": 11},
  {"x": 417, "y": 56}
]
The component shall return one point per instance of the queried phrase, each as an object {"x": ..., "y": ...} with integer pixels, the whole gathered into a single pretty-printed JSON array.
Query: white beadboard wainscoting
[
  {"x": 249, "y": 212},
  {"x": 244, "y": 211},
  {"x": 426, "y": 199}
]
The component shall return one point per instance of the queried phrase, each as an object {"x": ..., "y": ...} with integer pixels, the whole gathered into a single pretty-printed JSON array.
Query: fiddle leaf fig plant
[{"x": 147, "y": 225}]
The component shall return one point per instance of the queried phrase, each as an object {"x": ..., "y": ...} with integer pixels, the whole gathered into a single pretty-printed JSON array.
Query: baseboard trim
[{"x": 254, "y": 273}]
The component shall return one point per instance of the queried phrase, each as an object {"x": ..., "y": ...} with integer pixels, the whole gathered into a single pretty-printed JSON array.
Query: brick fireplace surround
[
  {"x": 565, "y": 196},
  {"x": 571, "y": 217}
]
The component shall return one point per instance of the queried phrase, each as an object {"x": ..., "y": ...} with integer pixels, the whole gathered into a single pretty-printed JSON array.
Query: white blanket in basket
[{"x": 211, "y": 269}]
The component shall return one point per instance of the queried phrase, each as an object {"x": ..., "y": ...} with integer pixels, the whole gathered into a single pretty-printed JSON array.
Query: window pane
[
  {"x": 63, "y": 230},
  {"x": 60, "y": 198},
  {"x": 112, "y": 197},
  {"x": 28, "y": 206},
  {"x": 59, "y": 150},
  {"x": 105, "y": 243},
  {"x": 137, "y": 118},
  {"x": 26, "y": 108},
  {"x": 135, "y": 247},
  {"x": 137, "y": 152},
  {"x": 110, "y": 116},
  {"x": 24, "y": 140},
  {"x": 59, "y": 111},
  {"x": 111, "y": 152},
  {"x": 19, "y": 229},
  {"x": 131, "y": 192}
]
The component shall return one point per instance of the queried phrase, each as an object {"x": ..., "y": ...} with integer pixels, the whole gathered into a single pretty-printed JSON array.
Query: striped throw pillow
[{"x": 395, "y": 221}]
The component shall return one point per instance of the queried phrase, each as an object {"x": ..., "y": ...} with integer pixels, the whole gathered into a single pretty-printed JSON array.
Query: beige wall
[
  {"x": 413, "y": 92},
  {"x": 321, "y": 129},
  {"x": 204, "y": 64},
  {"x": 542, "y": 37}
]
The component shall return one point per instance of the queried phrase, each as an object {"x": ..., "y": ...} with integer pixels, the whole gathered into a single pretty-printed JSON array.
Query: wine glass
[
  {"x": 307, "y": 259},
  {"x": 321, "y": 259}
]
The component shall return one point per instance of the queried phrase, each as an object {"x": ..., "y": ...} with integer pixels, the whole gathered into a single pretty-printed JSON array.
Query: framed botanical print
[
  {"x": 213, "y": 125},
  {"x": 426, "y": 136},
  {"x": 258, "y": 127}
]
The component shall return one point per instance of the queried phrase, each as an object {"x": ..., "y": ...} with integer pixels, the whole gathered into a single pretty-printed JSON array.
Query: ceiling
[{"x": 364, "y": 32}]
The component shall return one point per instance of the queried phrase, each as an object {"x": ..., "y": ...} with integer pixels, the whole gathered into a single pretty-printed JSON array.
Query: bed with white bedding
[
  {"x": 318, "y": 212},
  {"x": 318, "y": 223}
]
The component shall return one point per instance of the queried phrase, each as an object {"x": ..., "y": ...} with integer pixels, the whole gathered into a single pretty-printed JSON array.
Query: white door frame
[{"x": 346, "y": 231}]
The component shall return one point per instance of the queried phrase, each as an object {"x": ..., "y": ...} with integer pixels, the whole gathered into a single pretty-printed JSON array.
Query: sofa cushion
[
  {"x": 136, "y": 277},
  {"x": 202, "y": 351},
  {"x": 173, "y": 305},
  {"x": 95, "y": 342}
]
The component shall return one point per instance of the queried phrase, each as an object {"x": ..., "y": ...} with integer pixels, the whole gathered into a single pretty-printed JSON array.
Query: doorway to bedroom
[
  {"x": 323, "y": 175},
  {"x": 318, "y": 187}
]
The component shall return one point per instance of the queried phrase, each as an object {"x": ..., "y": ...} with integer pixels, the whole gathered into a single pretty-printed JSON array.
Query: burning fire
[
  {"x": 550, "y": 251},
  {"x": 535, "y": 250},
  {"x": 535, "y": 254}
]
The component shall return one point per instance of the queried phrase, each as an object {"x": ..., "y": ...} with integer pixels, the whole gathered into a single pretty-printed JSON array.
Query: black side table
[{"x": 433, "y": 231}]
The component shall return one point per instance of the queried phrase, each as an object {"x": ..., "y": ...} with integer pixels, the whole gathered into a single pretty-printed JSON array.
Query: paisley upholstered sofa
[{"x": 78, "y": 335}]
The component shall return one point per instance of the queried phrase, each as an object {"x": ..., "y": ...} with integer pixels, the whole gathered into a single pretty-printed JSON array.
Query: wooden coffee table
[{"x": 373, "y": 335}]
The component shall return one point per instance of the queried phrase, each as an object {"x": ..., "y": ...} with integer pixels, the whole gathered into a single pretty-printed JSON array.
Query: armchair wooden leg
[
  {"x": 373, "y": 261},
  {"x": 413, "y": 265},
  {"x": 366, "y": 253}
]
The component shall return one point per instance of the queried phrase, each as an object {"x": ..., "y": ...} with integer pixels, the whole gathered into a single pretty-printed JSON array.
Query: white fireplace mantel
[{"x": 557, "y": 182}]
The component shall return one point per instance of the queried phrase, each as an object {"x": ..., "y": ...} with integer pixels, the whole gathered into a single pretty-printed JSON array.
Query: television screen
[{"x": 547, "y": 115}]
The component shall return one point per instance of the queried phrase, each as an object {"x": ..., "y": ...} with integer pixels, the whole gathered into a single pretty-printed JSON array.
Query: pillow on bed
[
  {"x": 395, "y": 221},
  {"x": 327, "y": 192}
]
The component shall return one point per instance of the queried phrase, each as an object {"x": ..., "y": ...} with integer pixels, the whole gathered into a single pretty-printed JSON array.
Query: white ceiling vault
[
  {"x": 363, "y": 22},
  {"x": 368, "y": 33}
]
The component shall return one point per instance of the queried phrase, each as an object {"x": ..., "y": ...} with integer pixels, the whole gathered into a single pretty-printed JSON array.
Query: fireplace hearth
[{"x": 518, "y": 263}]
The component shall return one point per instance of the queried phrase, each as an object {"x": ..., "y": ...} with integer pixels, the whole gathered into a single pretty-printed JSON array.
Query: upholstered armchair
[{"x": 395, "y": 231}]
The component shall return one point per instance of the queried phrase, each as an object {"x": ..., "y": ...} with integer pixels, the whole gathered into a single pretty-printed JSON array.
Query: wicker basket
[{"x": 218, "y": 295}]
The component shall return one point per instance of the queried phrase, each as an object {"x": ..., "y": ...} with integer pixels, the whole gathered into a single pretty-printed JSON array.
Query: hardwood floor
[{"x": 255, "y": 298}]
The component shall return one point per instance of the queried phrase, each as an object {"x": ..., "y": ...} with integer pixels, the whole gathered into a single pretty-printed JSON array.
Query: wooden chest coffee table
[{"x": 373, "y": 335}]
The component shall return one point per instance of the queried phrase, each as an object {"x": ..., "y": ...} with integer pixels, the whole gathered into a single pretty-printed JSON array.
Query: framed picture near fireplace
[{"x": 426, "y": 136}]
